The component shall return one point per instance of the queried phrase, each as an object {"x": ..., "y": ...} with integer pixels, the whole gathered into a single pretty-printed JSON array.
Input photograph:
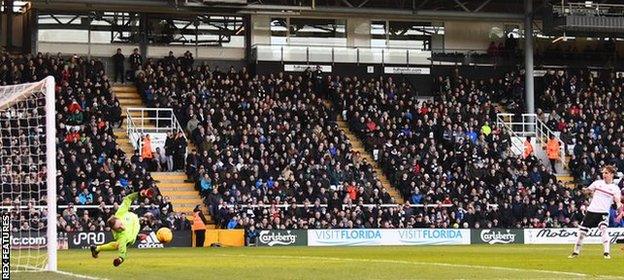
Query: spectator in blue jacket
[
  {"x": 416, "y": 197},
  {"x": 205, "y": 185},
  {"x": 233, "y": 223},
  {"x": 85, "y": 197}
]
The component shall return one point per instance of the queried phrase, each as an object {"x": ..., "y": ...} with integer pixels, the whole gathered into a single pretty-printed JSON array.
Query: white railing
[
  {"x": 150, "y": 120},
  {"x": 41, "y": 207},
  {"x": 529, "y": 125},
  {"x": 342, "y": 54},
  {"x": 505, "y": 121},
  {"x": 245, "y": 206},
  {"x": 589, "y": 8},
  {"x": 543, "y": 134},
  {"x": 346, "y": 206}
]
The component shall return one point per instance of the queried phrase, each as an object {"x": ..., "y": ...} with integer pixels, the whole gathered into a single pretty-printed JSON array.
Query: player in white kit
[{"x": 604, "y": 194}]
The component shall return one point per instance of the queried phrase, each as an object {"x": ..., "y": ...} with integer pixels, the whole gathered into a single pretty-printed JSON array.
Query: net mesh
[{"x": 23, "y": 172}]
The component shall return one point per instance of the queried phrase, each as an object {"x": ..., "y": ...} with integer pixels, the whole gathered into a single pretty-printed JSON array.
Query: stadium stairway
[
  {"x": 183, "y": 195},
  {"x": 128, "y": 97},
  {"x": 358, "y": 146}
]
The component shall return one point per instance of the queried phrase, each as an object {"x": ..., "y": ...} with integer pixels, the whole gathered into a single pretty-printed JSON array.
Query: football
[{"x": 164, "y": 235}]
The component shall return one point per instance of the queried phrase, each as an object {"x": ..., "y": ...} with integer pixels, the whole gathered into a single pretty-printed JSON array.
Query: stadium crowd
[
  {"x": 586, "y": 108},
  {"x": 450, "y": 151},
  {"x": 268, "y": 152},
  {"x": 91, "y": 170},
  {"x": 289, "y": 166},
  {"x": 260, "y": 140}
]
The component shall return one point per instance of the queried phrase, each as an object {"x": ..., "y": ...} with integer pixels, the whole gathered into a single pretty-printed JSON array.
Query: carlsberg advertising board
[
  {"x": 496, "y": 236},
  {"x": 283, "y": 238}
]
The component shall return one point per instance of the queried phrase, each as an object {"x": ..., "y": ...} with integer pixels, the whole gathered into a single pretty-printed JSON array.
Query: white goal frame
[
  {"x": 50, "y": 138},
  {"x": 52, "y": 235}
]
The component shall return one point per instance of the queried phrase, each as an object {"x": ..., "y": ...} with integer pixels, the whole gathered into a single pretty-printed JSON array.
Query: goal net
[{"x": 28, "y": 175}]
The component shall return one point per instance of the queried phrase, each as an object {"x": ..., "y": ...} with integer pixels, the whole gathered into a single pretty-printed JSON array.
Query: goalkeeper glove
[
  {"x": 148, "y": 192},
  {"x": 118, "y": 261}
]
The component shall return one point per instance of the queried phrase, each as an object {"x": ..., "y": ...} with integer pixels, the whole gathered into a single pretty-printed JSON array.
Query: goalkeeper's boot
[
  {"x": 607, "y": 256},
  {"x": 573, "y": 256},
  {"x": 94, "y": 251},
  {"x": 118, "y": 261}
]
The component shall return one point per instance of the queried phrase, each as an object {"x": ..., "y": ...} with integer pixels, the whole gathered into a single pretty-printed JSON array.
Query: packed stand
[
  {"x": 91, "y": 169},
  {"x": 586, "y": 109},
  {"x": 261, "y": 140},
  {"x": 449, "y": 151}
]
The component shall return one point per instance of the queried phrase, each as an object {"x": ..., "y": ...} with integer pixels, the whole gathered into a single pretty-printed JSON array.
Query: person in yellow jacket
[
  {"x": 528, "y": 148},
  {"x": 198, "y": 225},
  {"x": 553, "y": 152}
]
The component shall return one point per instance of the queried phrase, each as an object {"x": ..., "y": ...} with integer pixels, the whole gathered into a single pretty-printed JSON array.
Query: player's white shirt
[{"x": 604, "y": 196}]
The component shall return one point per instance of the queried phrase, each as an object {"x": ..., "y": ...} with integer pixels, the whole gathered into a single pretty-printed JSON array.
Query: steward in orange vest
[
  {"x": 199, "y": 226},
  {"x": 553, "y": 148}
]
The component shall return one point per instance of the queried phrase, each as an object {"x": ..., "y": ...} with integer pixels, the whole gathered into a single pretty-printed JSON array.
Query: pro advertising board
[
  {"x": 497, "y": 236},
  {"x": 82, "y": 240},
  {"x": 384, "y": 237},
  {"x": 567, "y": 235},
  {"x": 282, "y": 238}
]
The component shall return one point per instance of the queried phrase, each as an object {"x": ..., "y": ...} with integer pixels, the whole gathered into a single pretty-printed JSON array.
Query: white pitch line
[
  {"x": 79, "y": 275},
  {"x": 574, "y": 274},
  {"x": 59, "y": 272}
]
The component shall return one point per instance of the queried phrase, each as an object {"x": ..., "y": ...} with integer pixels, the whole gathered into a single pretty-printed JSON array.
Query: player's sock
[
  {"x": 604, "y": 234},
  {"x": 94, "y": 251},
  {"x": 110, "y": 246},
  {"x": 579, "y": 240}
]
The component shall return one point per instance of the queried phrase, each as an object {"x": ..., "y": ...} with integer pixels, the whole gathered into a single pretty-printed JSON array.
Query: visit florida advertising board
[{"x": 381, "y": 237}]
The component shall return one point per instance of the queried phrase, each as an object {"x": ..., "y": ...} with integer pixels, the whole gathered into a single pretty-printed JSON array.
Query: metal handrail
[
  {"x": 584, "y": 7},
  {"x": 544, "y": 133},
  {"x": 430, "y": 205},
  {"x": 501, "y": 122},
  {"x": 67, "y": 206},
  {"x": 285, "y": 205},
  {"x": 336, "y": 46},
  {"x": 140, "y": 126},
  {"x": 532, "y": 126}
]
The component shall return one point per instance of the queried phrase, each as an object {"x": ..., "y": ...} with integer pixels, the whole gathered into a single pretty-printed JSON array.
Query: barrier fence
[
  {"x": 427, "y": 236},
  {"x": 329, "y": 237}
]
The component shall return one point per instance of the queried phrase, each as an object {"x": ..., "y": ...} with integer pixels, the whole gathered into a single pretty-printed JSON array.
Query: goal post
[
  {"x": 50, "y": 115},
  {"x": 28, "y": 173}
]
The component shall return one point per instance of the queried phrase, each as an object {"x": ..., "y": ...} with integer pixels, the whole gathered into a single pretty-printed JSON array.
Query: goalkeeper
[{"x": 125, "y": 228}]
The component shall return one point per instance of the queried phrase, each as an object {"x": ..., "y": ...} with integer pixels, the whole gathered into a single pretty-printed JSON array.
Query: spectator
[
  {"x": 199, "y": 226},
  {"x": 553, "y": 152},
  {"x": 118, "y": 65},
  {"x": 146, "y": 149},
  {"x": 528, "y": 148}
]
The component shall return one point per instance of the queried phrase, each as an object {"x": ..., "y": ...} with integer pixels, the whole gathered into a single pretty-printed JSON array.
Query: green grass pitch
[{"x": 417, "y": 262}]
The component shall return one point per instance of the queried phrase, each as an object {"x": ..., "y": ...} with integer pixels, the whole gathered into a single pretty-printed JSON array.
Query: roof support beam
[
  {"x": 482, "y": 5},
  {"x": 462, "y": 6}
]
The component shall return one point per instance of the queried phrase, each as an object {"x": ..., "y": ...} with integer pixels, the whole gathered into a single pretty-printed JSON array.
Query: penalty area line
[
  {"x": 573, "y": 274},
  {"x": 79, "y": 275}
]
